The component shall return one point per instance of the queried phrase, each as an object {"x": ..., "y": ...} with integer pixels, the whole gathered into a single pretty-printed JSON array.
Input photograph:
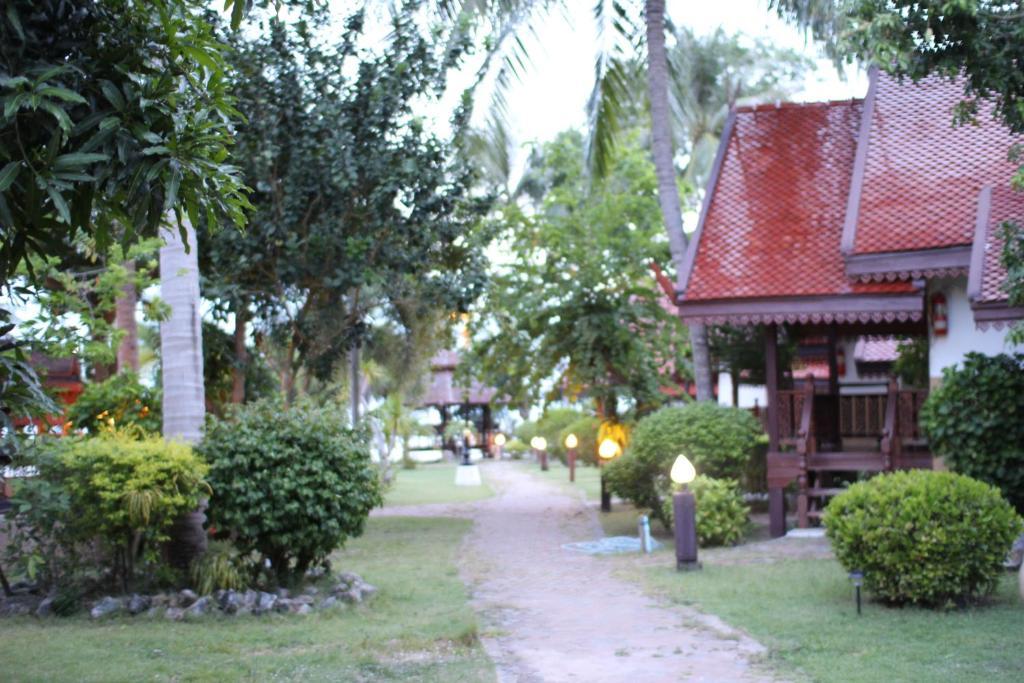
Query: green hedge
[
  {"x": 923, "y": 537},
  {"x": 975, "y": 421}
]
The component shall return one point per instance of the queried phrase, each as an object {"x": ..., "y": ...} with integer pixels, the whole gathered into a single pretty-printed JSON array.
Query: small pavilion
[
  {"x": 846, "y": 223},
  {"x": 454, "y": 402}
]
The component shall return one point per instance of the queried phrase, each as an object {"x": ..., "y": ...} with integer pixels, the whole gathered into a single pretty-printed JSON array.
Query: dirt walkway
[{"x": 552, "y": 614}]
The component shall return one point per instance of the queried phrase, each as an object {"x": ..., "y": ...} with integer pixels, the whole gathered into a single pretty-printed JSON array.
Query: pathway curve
[{"x": 554, "y": 615}]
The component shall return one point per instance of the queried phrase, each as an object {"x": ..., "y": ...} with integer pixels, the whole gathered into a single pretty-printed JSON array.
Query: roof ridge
[{"x": 778, "y": 104}]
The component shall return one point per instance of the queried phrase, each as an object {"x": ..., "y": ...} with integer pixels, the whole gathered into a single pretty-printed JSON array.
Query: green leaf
[
  {"x": 59, "y": 203},
  {"x": 76, "y": 160},
  {"x": 9, "y": 174},
  {"x": 112, "y": 94},
  {"x": 62, "y": 94},
  {"x": 63, "y": 120}
]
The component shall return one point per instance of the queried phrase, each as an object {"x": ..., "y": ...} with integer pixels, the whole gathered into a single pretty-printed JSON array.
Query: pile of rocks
[{"x": 347, "y": 589}]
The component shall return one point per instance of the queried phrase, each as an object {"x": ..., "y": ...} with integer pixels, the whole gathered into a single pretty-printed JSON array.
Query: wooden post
[
  {"x": 572, "y": 465},
  {"x": 776, "y": 498}
]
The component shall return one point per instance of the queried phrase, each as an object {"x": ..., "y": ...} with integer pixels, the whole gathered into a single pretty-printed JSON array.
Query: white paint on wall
[
  {"x": 749, "y": 395},
  {"x": 963, "y": 336}
]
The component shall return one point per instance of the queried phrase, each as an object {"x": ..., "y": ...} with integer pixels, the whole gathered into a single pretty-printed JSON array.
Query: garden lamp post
[
  {"x": 858, "y": 580},
  {"x": 684, "y": 513},
  {"x": 608, "y": 449},
  {"x": 466, "y": 441},
  {"x": 499, "y": 442},
  {"x": 540, "y": 444},
  {"x": 571, "y": 442}
]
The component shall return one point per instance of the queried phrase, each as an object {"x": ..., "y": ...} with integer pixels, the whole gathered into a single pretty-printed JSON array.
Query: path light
[
  {"x": 499, "y": 439},
  {"x": 608, "y": 449},
  {"x": 858, "y": 580},
  {"x": 571, "y": 442},
  {"x": 684, "y": 512},
  {"x": 540, "y": 444}
]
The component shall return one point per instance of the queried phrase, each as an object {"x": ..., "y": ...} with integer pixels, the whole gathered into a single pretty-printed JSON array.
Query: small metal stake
[{"x": 858, "y": 579}]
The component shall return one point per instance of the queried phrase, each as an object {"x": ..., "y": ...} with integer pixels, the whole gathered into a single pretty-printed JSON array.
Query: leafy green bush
[
  {"x": 515, "y": 448},
  {"x": 721, "y": 512},
  {"x": 121, "y": 493},
  {"x": 586, "y": 429},
  {"x": 718, "y": 440},
  {"x": 121, "y": 401},
  {"x": 220, "y": 567},
  {"x": 974, "y": 421},
  {"x": 923, "y": 537},
  {"x": 292, "y": 484}
]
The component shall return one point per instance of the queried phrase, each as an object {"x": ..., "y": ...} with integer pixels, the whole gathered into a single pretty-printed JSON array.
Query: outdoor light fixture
[
  {"x": 499, "y": 439},
  {"x": 858, "y": 580},
  {"x": 540, "y": 444},
  {"x": 571, "y": 442},
  {"x": 684, "y": 511},
  {"x": 608, "y": 449}
]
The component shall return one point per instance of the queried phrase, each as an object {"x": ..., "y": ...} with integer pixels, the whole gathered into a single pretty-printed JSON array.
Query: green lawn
[
  {"x": 588, "y": 479},
  {"x": 803, "y": 610},
  {"x": 433, "y": 483},
  {"x": 418, "y": 628}
]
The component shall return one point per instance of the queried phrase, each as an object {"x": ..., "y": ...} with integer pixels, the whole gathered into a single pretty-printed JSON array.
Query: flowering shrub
[{"x": 120, "y": 401}]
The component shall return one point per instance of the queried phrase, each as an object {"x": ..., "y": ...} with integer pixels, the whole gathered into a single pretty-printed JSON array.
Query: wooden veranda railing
[{"x": 803, "y": 419}]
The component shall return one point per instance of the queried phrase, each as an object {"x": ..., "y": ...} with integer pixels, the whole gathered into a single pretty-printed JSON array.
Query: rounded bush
[
  {"x": 718, "y": 440},
  {"x": 292, "y": 484},
  {"x": 721, "y": 512},
  {"x": 974, "y": 421},
  {"x": 923, "y": 537}
]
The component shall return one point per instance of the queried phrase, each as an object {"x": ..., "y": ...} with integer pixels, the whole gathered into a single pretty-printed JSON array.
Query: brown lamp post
[
  {"x": 540, "y": 444},
  {"x": 684, "y": 513},
  {"x": 571, "y": 442},
  {"x": 608, "y": 449}
]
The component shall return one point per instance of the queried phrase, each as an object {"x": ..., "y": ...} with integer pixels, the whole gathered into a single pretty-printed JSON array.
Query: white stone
[
  {"x": 468, "y": 475},
  {"x": 813, "y": 532}
]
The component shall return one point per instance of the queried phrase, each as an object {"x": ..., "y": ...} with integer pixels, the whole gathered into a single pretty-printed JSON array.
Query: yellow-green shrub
[
  {"x": 923, "y": 537},
  {"x": 721, "y": 512}
]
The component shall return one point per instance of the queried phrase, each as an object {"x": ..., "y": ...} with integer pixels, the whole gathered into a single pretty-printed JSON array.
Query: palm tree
[{"x": 181, "y": 336}]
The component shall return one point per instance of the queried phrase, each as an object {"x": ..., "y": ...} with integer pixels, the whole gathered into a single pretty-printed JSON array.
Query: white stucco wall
[
  {"x": 963, "y": 335},
  {"x": 749, "y": 393}
]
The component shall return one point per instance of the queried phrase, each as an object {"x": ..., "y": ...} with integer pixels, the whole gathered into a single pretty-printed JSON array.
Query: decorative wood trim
[
  {"x": 996, "y": 314},
  {"x": 849, "y": 308},
  {"x": 683, "y": 274},
  {"x": 974, "y": 276},
  {"x": 909, "y": 265},
  {"x": 860, "y": 159}
]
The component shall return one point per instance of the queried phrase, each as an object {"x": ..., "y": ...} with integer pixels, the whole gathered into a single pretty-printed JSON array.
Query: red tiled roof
[
  {"x": 876, "y": 350},
  {"x": 444, "y": 391},
  {"x": 989, "y": 300},
  {"x": 922, "y": 175},
  {"x": 775, "y": 218}
]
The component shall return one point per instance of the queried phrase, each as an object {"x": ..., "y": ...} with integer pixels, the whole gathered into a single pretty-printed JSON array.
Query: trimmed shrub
[
  {"x": 121, "y": 493},
  {"x": 550, "y": 426},
  {"x": 291, "y": 484},
  {"x": 585, "y": 429},
  {"x": 923, "y": 537},
  {"x": 721, "y": 512},
  {"x": 718, "y": 440},
  {"x": 516, "y": 449},
  {"x": 975, "y": 421},
  {"x": 120, "y": 401}
]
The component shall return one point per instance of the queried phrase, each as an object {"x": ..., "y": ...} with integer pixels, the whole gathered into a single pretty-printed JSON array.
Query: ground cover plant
[
  {"x": 419, "y": 627},
  {"x": 803, "y": 611},
  {"x": 923, "y": 537},
  {"x": 433, "y": 483}
]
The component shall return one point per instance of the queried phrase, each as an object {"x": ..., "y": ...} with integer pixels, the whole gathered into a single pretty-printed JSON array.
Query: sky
[{"x": 552, "y": 94}]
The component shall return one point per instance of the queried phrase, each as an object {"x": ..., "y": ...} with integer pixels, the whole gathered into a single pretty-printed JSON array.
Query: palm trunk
[
  {"x": 181, "y": 339},
  {"x": 668, "y": 190},
  {"x": 128, "y": 349}
]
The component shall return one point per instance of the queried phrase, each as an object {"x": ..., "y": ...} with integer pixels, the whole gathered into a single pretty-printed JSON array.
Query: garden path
[{"x": 552, "y": 614}]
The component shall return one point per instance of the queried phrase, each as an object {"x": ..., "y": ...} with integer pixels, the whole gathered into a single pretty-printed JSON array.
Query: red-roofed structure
[{"x": 846, "y": 220}]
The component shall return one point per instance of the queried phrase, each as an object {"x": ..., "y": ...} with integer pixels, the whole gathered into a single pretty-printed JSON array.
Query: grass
[
  {"x": 418, "y": 628},
  {"x": 803, "y": 611},
  {"x": 433, "y": 484},
  {"x": 588, "y": 479}
]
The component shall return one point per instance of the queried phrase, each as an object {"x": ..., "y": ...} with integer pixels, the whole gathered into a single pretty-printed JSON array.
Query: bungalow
[{"x": 847, "y": 222}]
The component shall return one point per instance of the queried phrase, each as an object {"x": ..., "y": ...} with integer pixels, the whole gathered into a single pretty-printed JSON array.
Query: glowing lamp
[
  {"x": 499, "y": 439},
  {"x": 608, "y": 449},
  {"x": 539, "y": 443},
  {"x": 682, "y": 471},
  {"x": 571, "y": 441}
]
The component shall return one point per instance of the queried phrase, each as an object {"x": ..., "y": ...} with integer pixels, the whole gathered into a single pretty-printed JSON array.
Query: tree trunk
[
  {"x": 354, "y": 384},
  {"x": 735, "y": 376},
  {"x": 124, "y": 320},
  {"x": 668, "y": 190},
  {"x": 181, "y": 354},
  {"x": 241, "y": 355},
  {"x": 181, "y": 339}
]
